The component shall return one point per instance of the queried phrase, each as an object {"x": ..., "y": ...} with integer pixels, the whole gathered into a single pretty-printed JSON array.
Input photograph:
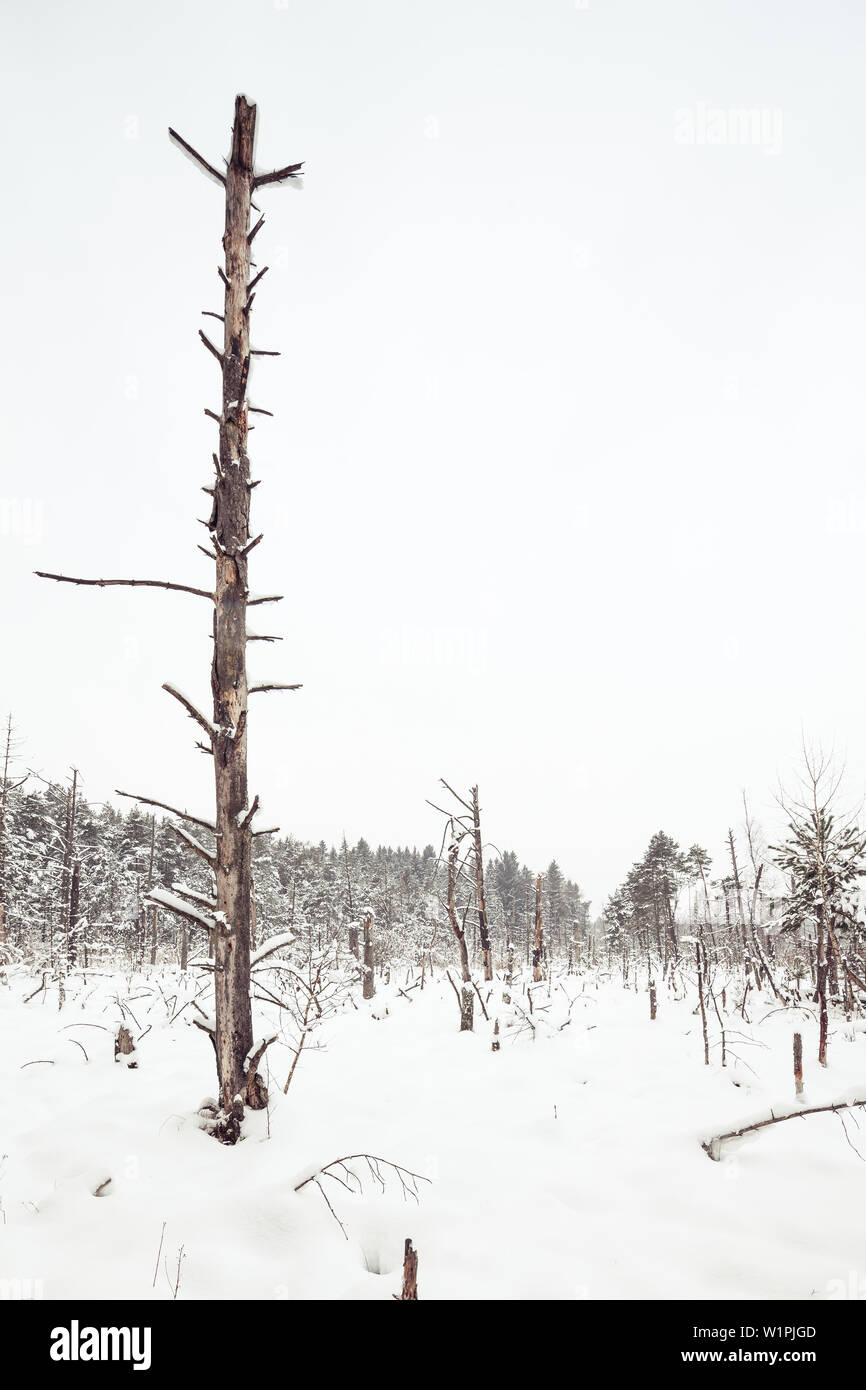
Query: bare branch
[
  {"x": 191, "y": 710},
  {"x": 129, "y": 583},
  {"x": 291, "y": 171},
  {"x": 456, "y": 797},
  {"x": 259, "y": 689},
  {"x": 712, "y": 1146},
  {"x": 208, "y": 168},
  {"x": 210, "y": 347},
  {"x": 184, "y": 815}
]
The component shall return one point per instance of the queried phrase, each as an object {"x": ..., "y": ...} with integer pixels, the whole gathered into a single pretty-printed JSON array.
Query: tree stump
[
  {"x": 410, "y": 1273},
  {"x": 125, "y": 1047}
]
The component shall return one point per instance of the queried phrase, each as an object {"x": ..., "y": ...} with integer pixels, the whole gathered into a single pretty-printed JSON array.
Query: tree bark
[
  {"x": 821, "y": 991},
  {"x": 698, "y": 959},
  {"x": 229, "y": 528},
  {"x": 539, "y": 933},
  {"x": 152, "y": 912},
  {"x": 369, "y": 978},
  {"x": 410, "y": 1273},
  {"x": 74, "y": 898},
  {"x": 467, "y": 997},
  {"x": 483, "y": 925}
]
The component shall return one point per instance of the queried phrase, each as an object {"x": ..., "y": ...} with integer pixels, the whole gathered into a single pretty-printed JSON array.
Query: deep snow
[{"x": 566, "y": 1167}]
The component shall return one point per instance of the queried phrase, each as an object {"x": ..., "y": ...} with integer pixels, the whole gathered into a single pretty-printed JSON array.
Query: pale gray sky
[{"x": 565, "y": 487}]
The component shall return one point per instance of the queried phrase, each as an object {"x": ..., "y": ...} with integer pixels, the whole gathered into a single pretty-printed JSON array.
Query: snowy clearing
[{"x": 568, "y": 1166}]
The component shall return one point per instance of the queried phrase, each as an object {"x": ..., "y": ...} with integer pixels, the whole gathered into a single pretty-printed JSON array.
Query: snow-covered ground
[{"x": 568, "y": 1166}]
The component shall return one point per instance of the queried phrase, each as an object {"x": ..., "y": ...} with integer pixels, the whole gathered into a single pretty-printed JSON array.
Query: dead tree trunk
[
  {"x": 748, "y": 963},
  {"x": 6, "y": 786},
  {"x": 227, "y": 916},
  {"x": 74, "y": 898},
  {"x": 700, "y": 967},
  {"x": 483, "y": 925},
  {"x": 821, "y": 991},
  {"x": 538, "y": 947},
  {"x": 66, "y": 870},
  {"x": 153, "y": 910},
  {"x": 798, "y": 1064},
  {"x": 467, "y": 996},
  {"x": 369, "y": 978},
  {"x": 410, "y": 1273}
]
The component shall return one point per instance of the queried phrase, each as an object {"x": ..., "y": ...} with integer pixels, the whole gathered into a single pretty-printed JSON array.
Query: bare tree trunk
[
  {"x": 74, "y": 896},
  {"x": 698, "y": 954},
  {"x": 538, "y": 946},
  {"x": 228, "y": 916},
  {"x": 233, "y": 1037},
  {"x": 353, "y": 940},
  {"x": 5, "y": 788},
  {"x": 153, "y": 909},
  {"x": 369, "y": 977},
  {"x": 747, "y": 952},
  {"x": 410, "y": 1273},
  {"x": 798, "y": 1064},
  {"x": 467, "y": 996},
  {"x": 66, "y": 870},
  {"x": 821, "y": 992},
  {"x": 483, "y": 926}
]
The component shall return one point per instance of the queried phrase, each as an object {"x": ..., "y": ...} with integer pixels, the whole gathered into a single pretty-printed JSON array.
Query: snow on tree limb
[
  {"x": 272, "y": 944},
  {"x": 195, "y": 845},
  {"x": 160, "y": 897},
  {"x": 191, "y": 709}
]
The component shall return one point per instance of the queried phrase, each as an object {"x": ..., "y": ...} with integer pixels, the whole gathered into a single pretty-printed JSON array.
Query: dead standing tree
[
  {"x": 538, "y": 947},
  {"x": 467, "y": 998},
  {"x": 226, "y": 916},
  {"x": 461, "y": 826},
  {"x": 483, "y": 924}
]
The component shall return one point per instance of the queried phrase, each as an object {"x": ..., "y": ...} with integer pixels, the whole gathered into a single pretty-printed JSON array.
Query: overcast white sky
[{"x": 565, "y": 487}]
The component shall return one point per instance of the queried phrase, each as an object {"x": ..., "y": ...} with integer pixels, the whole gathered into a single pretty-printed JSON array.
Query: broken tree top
[{"x": 243, "y": 139}]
